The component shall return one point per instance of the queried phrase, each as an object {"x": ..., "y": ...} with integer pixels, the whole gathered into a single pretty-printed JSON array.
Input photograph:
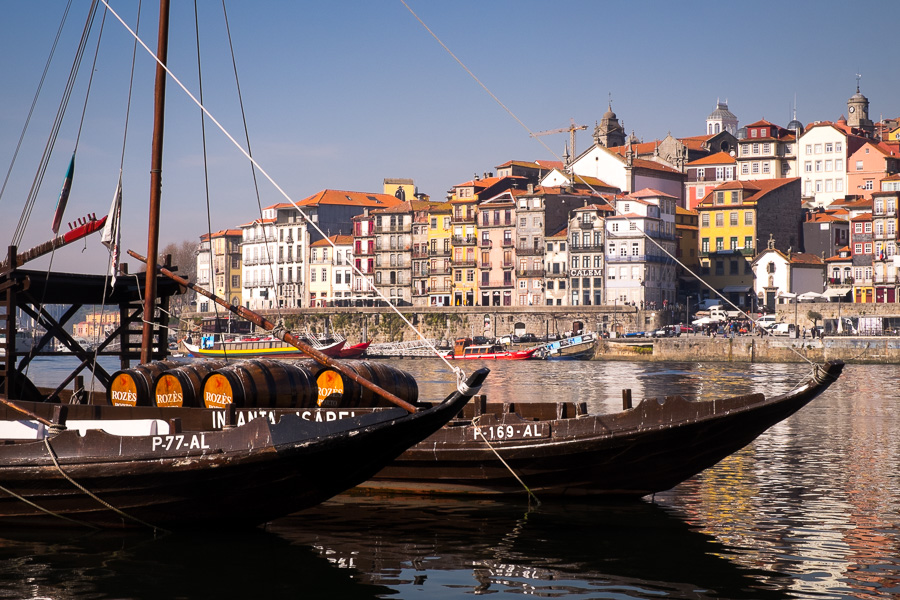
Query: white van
[
  {"x": 766, "y": 321},
  {"x": 782, "y": 329}
]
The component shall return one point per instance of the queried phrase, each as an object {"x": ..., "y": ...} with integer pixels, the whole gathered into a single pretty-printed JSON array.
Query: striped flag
[
  {"x": 63, "y": 196},
  {"x": 112, "y": 234}
]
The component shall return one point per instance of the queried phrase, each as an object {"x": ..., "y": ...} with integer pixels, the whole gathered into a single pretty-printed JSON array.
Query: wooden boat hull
[
  {"x": 273, "y": 349},
  {"x": 513, "y": 355},
  {"x": 242, "y": 475},
  {"x": 557, "y": 452}
]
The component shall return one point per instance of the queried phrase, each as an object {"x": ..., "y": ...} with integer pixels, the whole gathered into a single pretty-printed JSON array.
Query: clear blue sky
[{"x": 342, "y": 94}]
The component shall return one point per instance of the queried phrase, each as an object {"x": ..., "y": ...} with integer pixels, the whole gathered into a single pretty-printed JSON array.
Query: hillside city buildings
[{"x": 759, "y": 213}]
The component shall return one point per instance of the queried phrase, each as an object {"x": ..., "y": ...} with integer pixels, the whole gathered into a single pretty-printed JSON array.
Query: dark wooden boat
[
  {"x": 556, "y": 449},
  {"x": 73, "y": 458},
  {"x": 176, "y": 467}
]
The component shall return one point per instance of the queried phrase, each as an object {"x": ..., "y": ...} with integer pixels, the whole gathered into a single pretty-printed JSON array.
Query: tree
[
  {"x": 184, "y": 256},
  {"x": 814, "y": 317}
]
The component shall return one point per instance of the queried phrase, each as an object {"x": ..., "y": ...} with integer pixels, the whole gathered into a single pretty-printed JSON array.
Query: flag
[
  {"x": 63, "y": 196},
  {"x": 112, "y": 234}
]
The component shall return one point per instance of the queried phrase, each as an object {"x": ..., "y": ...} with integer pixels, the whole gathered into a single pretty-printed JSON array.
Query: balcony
[
  {"x": 840, "y": 281},
  {"x": 420, "y": 253},
  {"x": 590, "y": 247},
  {"x": 439, "y": 269},
  {"x": 463, "y": 218},
  {"x": 529, "y": 250},
  {"x": 439, "y": 252},
  {"x": 496, "y": 283},
  {"x": 439, "y": 289},
  {"x": 561, "y": 274},
  {"x": 464, "y": 240},
  {"x": 464, "y": 262},
  {"x": 485, "y": 243},
  {"x": 393, "y": 228},
  {"x": 529, "y": 272}
]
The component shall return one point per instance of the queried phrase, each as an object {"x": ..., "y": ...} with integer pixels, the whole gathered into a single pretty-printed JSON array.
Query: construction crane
[{"x": 571, "y": 129}]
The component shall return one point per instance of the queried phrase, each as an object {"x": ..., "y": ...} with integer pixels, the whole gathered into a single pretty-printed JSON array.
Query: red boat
[
  {"x": 464, "y": 350},
  {"x": 354, "y": 351}
]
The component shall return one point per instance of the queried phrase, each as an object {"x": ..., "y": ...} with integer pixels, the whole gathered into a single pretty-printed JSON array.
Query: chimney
[{"x": 530, "y": 188}]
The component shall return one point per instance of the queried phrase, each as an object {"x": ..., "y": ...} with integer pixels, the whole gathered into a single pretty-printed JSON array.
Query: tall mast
[{"x": 159, "y": 104}]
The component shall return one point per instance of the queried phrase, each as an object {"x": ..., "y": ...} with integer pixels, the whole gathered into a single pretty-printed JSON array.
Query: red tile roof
[
  {"x": 719, "y": 158},
  {"x": 340, "y": 197}
]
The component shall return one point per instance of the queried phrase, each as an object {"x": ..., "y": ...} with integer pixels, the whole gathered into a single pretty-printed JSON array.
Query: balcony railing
[
  {"x": 485, "y": 243},
  {"x": 589, "y": 247},
  {"x": 464, "y": 262},
  {"x": 439, "y": 289},
  {"x": 840, "y": 281},
  {"x": 496, "y": 283},
  {"x": 529, "y": 250},
  {"x": 439, "y": 269},
  {"x": 563, "y": 273},
  {"x": 420, "y": 253},
  {"x": 439, "y": 252},
  {"x": 464, "y": 240},
  {"x": 393, "y": 228},
  {"x": 529, "y": 272},
  {"x": 469, "y": 218}
]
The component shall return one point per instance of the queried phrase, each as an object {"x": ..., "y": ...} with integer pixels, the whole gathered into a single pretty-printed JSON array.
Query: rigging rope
[
  {"x": 280, "y": 190},
  {"x": 54, "y": 132}
]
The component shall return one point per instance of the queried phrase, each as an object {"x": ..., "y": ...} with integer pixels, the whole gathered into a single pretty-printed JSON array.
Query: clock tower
[{"x": 858, "y": 111}]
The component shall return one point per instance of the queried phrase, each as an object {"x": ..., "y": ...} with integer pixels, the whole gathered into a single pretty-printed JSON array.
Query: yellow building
[
  {"x": 440, "y": 282},
  {"x": 736, "y": 219},
  {"x": 96, "y": 325},
  {"x": 226, "y": 263}
]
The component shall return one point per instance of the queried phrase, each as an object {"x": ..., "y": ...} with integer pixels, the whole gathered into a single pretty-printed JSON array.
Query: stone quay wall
[
  {"x": 701, "y": 348},
  {"x": 381, "y": 324}
]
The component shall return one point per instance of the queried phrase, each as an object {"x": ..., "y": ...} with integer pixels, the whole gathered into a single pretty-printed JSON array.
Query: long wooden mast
[{"x": 159, "y": 106}]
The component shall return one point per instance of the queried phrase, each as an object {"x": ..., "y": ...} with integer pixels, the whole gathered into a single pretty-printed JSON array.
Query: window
[
  {"x": 859, "y": 165},
  {"x": 745, "y": 169},
  {"x": 701, "y": 173},
  {"x": 748, "y": 242},
  {"x": 818, "y": 166},
  {"x": 807, "y": 166},
  {"x": 829, "y": 147},
  {"x": 817, "y": 148},
  {"x": 809, "y": 148},
  {"x": 720, "y": 267},
  {"x": 767, "y": 148},
  {"x": 839, "y": 164},
  {"x": 720, "y": 219},
  {"x": 635, "y": 249},
  {"x": 748, "y": 217},
  {"x": 704, "y": 219},
  {"x": 867, "y": 227},
  {"x": 755, "y": 168},
  {"x": 701, "y": 191},
  {"x": 868, "y": 184},
  {"x": 720, "y": 197},
  {"x": 704, "y": 245},
  {"x": 765, "y": 167},
  {"x": 733, "y": 218},
  {"x": 720, "y": 244},
  {"x": 734, "y": 243},
  {"x": 839, "y": 185},
  {"x": 733, "y": 267},
  {"x": 837, "y": 147},
  {"x": 829, "y": 185}
]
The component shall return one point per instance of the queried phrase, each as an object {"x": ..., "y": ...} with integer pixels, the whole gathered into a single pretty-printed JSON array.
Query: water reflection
[{"x": 430, "y": 547}]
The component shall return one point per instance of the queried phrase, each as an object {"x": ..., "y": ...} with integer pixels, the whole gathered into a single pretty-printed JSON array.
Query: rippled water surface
[{"x": 809, "y": 510}]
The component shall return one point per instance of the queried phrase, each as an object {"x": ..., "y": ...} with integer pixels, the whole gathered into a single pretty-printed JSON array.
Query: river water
[{"x": 809, "y": 510}]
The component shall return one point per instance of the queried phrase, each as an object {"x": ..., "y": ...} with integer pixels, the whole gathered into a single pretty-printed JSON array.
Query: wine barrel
[
  {"x": 334, "y": 389},
  {"x": 131, "y": 387},
  {"x": 183, "y": 385},
  {"x": 260, "y": 384}
]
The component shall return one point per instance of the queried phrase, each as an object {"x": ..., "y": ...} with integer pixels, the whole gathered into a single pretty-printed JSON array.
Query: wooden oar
[
  {"x": 86, "y": 227},
  {"x": 284, "y": 336}
]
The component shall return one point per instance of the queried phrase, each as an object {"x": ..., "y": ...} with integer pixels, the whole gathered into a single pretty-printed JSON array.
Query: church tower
[
  {"x": 721, "y": 119},
  {"x": 858, "y": 111},
  {"x": 609, "y": 132}
]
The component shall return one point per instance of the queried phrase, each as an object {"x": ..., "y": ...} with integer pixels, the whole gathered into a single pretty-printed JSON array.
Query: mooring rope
[
  {"x": 505, "y": 464},
  {"x": 45, "y": 510},
  {"x": 94, "y": 496}
]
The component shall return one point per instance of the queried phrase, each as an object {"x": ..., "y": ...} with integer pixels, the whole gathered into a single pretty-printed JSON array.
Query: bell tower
[{"x": 858, "y": 111}]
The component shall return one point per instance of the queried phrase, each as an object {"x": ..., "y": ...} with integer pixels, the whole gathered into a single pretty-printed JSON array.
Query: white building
[
  {"x": 259, "y": 250},
  {"x": 556, "y": 260},
  {"x": 780, "y": 276},
  {"x": 641, "y": 271},
  {"x": 822, "y": 153}
]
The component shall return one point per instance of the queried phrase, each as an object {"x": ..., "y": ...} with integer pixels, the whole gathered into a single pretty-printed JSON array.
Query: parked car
[
  {"x": 635, "y": 334},
  {"x": 528, "y": 338}
]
